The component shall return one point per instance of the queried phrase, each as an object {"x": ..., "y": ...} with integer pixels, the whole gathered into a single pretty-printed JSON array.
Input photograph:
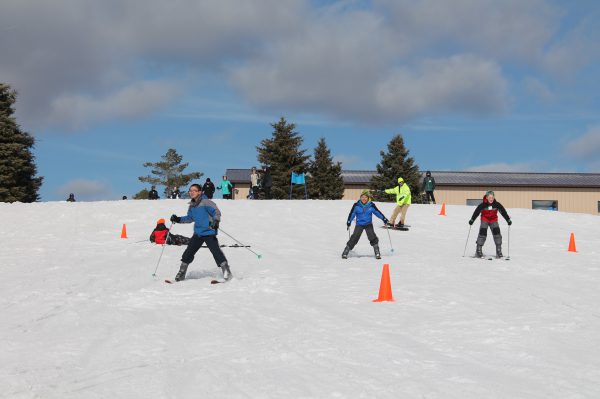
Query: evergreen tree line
[{"x": 282, "y": 154}]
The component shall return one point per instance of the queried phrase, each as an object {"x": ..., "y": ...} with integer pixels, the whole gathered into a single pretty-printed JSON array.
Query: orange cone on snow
[
  {"x": 124, "y": 231},
  {"x": 572, "y": 247},
  {"x": 443, "y": 211},
  {"x": 385, "y": 288}
]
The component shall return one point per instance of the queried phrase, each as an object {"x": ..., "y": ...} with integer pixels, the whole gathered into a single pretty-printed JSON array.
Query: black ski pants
[
  {"x": 358, "y": 230},
  {"x": 196, "y": 242},
  {"x": 430, "y": 197},
  {"x": 495, "y": 227}
]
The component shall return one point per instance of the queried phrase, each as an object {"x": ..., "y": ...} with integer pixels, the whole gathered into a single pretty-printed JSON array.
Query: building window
[
  {"x": 474, "y": 202},
  {"x": 598, "y": 206},
  {"x": 548, "y": 205}
]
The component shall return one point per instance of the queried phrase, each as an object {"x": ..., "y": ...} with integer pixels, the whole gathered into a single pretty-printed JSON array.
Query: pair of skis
[{"x": 169, "y": 281}]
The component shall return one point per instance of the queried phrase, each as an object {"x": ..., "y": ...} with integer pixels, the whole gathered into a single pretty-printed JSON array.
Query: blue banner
[{"x": 298, "y": 178}]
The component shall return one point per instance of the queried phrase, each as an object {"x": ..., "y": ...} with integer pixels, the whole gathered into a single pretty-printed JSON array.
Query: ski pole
[
  {"x": 162, "y": 249},
  {"x": 508, "y": 257},
  {"x": 390, "y": 238},
  {"x": 466, "y": 243},
  {"x": 259, "y": 256}
]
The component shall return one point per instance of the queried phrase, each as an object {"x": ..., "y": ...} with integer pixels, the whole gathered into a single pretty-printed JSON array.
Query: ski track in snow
[{"x": 82, "y": 315}]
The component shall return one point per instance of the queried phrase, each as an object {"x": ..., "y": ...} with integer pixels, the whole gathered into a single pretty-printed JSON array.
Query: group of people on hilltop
[
  {"x": 208, "y": 189},
  {"x": 260, "y": 180}
]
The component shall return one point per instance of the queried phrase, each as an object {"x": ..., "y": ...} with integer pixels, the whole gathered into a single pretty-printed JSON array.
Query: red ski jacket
[
  {"x": 489, "y": 212},
  {"x": 159, "y": 234}
]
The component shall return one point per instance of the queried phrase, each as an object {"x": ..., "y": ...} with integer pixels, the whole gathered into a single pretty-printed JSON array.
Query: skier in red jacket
[
  {"x": 160, "y": 235},
  {"x": 489, "y": 217}
]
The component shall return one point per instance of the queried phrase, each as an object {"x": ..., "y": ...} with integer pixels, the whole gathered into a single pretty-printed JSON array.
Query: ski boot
[
  {"x": 226, "y": 272},
  {"x": 499, "y": 252},
  {"x": 345, "y": 253},
  {"x": 479, "y": 252},
  {"x": 376, "y": 249},
  {"x": 399, "y": 226},
  {"x": 182, "y": 270}
]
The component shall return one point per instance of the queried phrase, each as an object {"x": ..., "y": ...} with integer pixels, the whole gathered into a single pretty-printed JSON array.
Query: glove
[
  {"x": 509, "y": 222},
  {"x": 471, "y": 222},
  {"x": 385, "y": 221},
  {"x": 348, "y": 225},
  {"x": 214, "y": 225},
  {"x": 175, "y": 219}
]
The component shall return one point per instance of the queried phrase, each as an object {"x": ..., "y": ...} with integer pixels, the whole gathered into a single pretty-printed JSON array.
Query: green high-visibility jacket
[{"x": 403, "y": 195}]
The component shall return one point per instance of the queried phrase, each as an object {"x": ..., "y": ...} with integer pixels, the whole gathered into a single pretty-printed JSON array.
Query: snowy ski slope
[{"x": 82, "y": 316}]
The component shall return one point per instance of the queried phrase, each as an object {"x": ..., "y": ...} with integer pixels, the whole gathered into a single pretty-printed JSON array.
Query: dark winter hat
[
  {"x": 208, "y": 179},
  {"x": 489, "y": 192},
  {"x": 428, "y": 173}
]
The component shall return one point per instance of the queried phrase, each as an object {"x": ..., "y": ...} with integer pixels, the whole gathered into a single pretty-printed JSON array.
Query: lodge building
[{"x": 565, "y": 192}]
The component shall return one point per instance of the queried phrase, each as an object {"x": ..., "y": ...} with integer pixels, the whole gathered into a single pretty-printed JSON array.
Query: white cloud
[
  {"x": 388, "y": 61},
  {"x": 587, "y": 146},
  {"x": 85, "y": 189},
  {"x": 133, "y": 101}
]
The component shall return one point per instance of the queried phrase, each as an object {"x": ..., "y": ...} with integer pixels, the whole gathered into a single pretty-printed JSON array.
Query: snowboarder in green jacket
[{"x": 403, "y": 201}]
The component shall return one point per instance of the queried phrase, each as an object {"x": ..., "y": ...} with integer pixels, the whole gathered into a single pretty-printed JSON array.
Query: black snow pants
[
  {"x": 358, "y": 232},
  {"x": 196, "y": 242},
  {"x": 495, "y": 227},
  {"x": 429, "y": 196}
]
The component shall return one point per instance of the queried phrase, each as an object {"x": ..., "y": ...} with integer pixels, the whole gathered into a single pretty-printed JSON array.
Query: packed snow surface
[{"x": 83, "y": 316}]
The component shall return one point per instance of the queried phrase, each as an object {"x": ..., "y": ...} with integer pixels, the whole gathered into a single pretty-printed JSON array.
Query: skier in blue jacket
[
  {"x": 206, "y": 217},
  {"x": 363, "y": 210}
]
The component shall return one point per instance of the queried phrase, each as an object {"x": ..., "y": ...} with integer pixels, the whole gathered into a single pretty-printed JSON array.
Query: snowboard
[{"x": 395, "y": 228}]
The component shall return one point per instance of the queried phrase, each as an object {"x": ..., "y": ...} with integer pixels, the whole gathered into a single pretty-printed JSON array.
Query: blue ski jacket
[
  {"x": 203, "y": 213},
  {"x": 364, "y": 213}
]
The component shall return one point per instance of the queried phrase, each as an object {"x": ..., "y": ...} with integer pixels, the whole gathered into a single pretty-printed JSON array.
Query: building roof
[{"x": 448, "y": 178}]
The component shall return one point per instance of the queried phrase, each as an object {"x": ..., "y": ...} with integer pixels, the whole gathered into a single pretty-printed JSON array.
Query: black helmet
[{"x": 428, "y": 173}]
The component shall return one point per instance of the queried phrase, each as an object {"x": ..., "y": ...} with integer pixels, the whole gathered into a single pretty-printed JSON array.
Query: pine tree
[
  {"x": 282, "y": 154},
  {"x": 325, "y": 180},
  {"x": 169, "y": 172},
  {"x": 17, "y": 167},
  {"x": 394, "y": 164},
  {"x": 142, "y": 194}
]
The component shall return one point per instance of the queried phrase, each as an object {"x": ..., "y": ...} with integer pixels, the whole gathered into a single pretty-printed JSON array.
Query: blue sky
[{"x": 470, "y": 84}]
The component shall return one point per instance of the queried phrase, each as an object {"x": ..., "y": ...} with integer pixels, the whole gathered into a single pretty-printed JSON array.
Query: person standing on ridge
[
  {"x": 153, "y": 194},
  {"x": 206, "y": 217},
  {"x": 208, "y": 188},
  {"x": 429, "y": 187},
  {"x": 253, "y": 184},
  {"x": 226, "y": 187},
  {"x": 267, "y": 183},
  {"x": 403, "y": 200},
  {"x": 175, "y": 194},
  {"x": 363, "y": 210},
  {"x": 71, "y": 198},
  {"x": 489, "y": 218}
]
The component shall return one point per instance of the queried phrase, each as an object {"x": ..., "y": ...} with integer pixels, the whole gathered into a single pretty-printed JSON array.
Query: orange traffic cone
[
  {"x": 385, "y": 288},
  {"x": 572, "y": 243},
  {"x": 443, "y": 211},
  {"x": 124, "y": 231}
]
